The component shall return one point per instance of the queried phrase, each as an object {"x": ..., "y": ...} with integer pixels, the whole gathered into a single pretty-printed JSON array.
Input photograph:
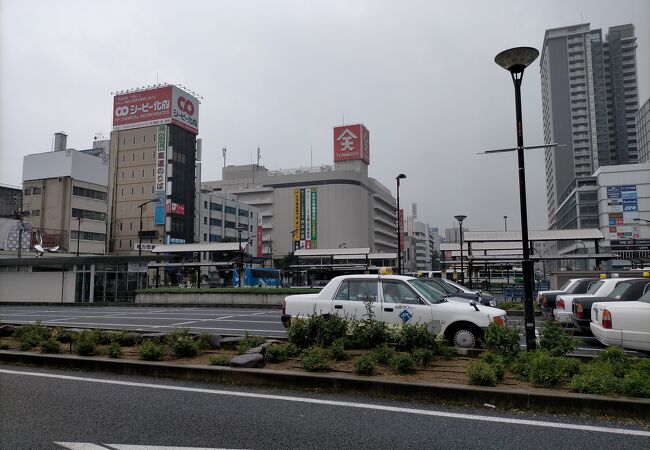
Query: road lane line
[{"x": 318, "y": 401}]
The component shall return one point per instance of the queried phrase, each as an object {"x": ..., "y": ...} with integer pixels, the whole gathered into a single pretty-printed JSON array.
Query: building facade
[
  {"x": 65, "y": 200},
  {"x": 10, "y": 198},
  {"x": 589, "y": 99},
  {"x": 226, "y": 219},
  {"x": 643, "y": 131},
  {"x": 152, "y": 170},
  {"x": 322, "y": 207}
]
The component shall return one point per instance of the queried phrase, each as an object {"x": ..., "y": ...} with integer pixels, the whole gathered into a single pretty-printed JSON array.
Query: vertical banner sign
[
  {"x": 314, "y": 218},
  {"x": 302, "y": 218},
  {"x": 622, "y": 210},
  {"x": 296, "y": 218},
  {"x": 401, "y": 227},
  {"x": 161, "y": 174},
  {"x": 259, "y": 240},
  {"x": 307, "y": 218}
]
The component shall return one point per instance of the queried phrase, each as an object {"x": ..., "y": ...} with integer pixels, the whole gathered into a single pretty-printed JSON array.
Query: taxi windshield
[{"x": 430, "y": 294}]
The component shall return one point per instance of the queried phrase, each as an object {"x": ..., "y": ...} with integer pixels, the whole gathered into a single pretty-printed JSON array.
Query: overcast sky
[{"x": 279, "y": 75}]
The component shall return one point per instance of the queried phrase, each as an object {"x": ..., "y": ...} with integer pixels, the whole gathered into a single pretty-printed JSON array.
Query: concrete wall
[
  {"x": 30, "y": 287},
  {"x": 212, "y": 299}
]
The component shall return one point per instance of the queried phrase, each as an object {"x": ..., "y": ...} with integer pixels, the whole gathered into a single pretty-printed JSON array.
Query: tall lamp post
[
  {"x": 79, "y": 219},
  {"x": 515, "y": 61},
  {"x": 241, "y": 228},
  {"x": 460, "y": 219},
  {"x": 401, "y": 176},
  {"x": 140, "y": 231},
  {"x": 505, "y": 223}
]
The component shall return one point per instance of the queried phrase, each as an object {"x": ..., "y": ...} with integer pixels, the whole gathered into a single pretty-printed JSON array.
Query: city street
[{"x": 64, "y": 409}]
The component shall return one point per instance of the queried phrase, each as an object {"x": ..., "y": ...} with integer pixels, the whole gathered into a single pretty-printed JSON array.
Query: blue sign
[
  {"x": 613, "y": 191},
  {"x": 405, "y": 315}
]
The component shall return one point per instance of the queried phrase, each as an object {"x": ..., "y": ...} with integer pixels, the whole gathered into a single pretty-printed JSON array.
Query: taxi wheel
[{"x": 464, "y": 336}]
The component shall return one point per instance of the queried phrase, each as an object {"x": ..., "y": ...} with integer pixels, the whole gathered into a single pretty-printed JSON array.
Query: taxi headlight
[{"x": 500, "y": 321}]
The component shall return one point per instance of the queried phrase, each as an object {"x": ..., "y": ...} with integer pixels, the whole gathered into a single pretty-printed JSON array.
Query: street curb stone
[{"x": 434, "y": 392}]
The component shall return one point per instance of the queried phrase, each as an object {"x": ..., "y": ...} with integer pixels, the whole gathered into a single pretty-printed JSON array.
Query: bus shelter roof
[{"x": 533, "y": 235}]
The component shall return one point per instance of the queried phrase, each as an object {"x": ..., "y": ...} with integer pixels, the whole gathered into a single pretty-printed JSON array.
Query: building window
[
  {"x": 133, "y": 174},
  {"x": 134, "y": 143},
  {"x": 36, "y": 190},
  {"x": 215, "y": 222},
  {"x": 251, "y": 214},
  {"x": 133, "y": 155},
  {"x": 215, "y": 238},
  {"x": 205, "y": 237},
  {"x": 131, "y": 191},
  {"x": 122, "y": 174},
  {"x": 36, "y": 212},
  {"x": 87, "y": 236},
  {"x": 130, "y": 243},
  {"x": 142, "y": 189},
  {"x": 131, "y": 226},
  {"x": 230, "y": 210},
  {"x": 243, "y": 213},
  {"x": 251, "y": 228},
  {"x": 230, "y": 224},
  {"x": 89, "y": 193},
  {"x": 89, "y": 215},
  {"x": 142, "y": 173},
  {"x": 28, "y": 191},
  {"x": 123, "y": 157},
  {"x": 215, "y": 206},
  {"x": 120, "y": 226},
  {"x": 152, "y": 189},
  {"x": 119, "y": 241},
  {"x": 143, "y": 156},
  {"x": 205, "y": 205},
  {"x": 205, "y": 221}
]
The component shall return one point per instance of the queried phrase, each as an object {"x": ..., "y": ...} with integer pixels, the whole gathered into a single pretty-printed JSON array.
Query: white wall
[
  {"x": 68, "y": 163},
  {"x": 31, "y": 287}
]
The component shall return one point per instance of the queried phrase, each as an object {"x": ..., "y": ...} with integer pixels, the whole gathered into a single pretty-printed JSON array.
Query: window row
[
  {"x": 34, "y": 191},
  {"x": 88, "y": 193},
  {"x": 89, "y": 215},
  {"x": 87, "y": 236}
]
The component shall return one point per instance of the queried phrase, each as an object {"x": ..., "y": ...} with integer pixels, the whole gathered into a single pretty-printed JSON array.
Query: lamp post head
[
  {"x": 515, "y": 60},
  {"x": 401, "y": 176},
  {"x": 460, "y": 218}
]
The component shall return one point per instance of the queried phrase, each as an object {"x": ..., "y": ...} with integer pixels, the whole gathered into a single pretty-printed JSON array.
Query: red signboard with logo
[
  {"x": 259, "y": 240},
  {"x": 351, "y": 142},
  {"x": 158, "y": 106}
]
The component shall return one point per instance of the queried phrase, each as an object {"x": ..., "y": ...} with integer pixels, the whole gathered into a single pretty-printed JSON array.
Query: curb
[
  {"x": 434, "y": 392},
  {"x": 142, "y": 305}
]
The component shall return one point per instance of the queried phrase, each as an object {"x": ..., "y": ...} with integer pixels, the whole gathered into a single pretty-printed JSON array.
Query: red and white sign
[
  {"x": 401, "y": 227},
  {"x": 259, "y": 240},
  {"x": 157, "y": 106},
  {"x": 351, "y": 142},
  {"x": 174, "y": 208}
]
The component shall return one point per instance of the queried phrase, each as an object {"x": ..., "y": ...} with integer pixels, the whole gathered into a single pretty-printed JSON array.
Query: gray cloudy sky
[{"x": 279, "y": 75}]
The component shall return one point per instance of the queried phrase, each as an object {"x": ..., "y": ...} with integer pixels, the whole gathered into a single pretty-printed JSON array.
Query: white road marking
[
  {"x": 92, "y": 446},
  {"x": 318, "y": 401}
]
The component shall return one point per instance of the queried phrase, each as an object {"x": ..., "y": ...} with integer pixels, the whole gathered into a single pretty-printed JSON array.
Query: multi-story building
[
  {"x": 153, "y": 158},
  {"x": 420, "y": 246},
  {"x": 9, "y": 200},
  {"x": 643, "y": 131},
  {"x": 589, "y": 97},
  {"x": 323, "y": 207},
  {"x": 65, "y": 198},
  {"x": 222, "y": 218}
]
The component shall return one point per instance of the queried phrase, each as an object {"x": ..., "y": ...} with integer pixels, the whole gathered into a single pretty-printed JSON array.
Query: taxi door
[
  {"x": 401, "y": 304},
  {"x": 356, "y": 298}
]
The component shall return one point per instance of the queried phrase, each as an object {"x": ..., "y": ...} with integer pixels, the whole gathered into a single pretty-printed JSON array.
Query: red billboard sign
[
  {"x": 259, "y": 240},
  {"x": 351, "y": 142},
  {"x": 158, "y": 106}
]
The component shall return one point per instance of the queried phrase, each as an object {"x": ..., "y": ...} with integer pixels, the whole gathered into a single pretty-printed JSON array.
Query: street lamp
[
  {"x": 79, "y": 231},
  {"x": 401, "y": 176},
  {"x": 584, "y": 250},
  {"x": 241, "y": 228},
  {"x": 460, "y": 219},
  {"x": 505, "y": 223},
  {"x": 140, "y": 232},
  {"x": 515, "y": 61}
]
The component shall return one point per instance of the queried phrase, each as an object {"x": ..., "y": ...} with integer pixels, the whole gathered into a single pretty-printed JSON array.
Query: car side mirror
[{"x": 473, "y": 303}]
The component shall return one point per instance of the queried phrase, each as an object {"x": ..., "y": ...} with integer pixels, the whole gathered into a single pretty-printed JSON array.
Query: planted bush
[
  {"x": 114, "y": 350},
  {"x": 522, "y": 364},
  {"x": 50, "y": 346},
  {"x": 337, "y": 349},
  {"x": 617, "y": 359},
  {"x": 596, "y": 378},
  {"x": 203, "y": 341},
  {"x": 276, "y": 353},
  {"x": 497, "y": 362},
  {"x": 100, "y": 337},
  {"x": 123, "y": 339},
  {"x": 555, "y": 340},
  {"x": 502, "y": 340},
  {"x": 636, "y": 384},
  {"x": 63, "y": 336},
  {"x": 547, "y": 370},
  {"x": 84, "y": 343},
  {"x": 219, "y": 360},
  {"x": 383, "y": 354},
  {"x": 480, "y": 373},
  {"x": 151, "y": 351},
  {"x": 364, "y": 365},
  {"x": 250, "y": 342},
  {"x": 317, "y": 330},
  {"x": 415, "y": 336},
  {"x": 424, "y": 356},
  {"x": 316, "y": 359},
  {"x": 181, "y": 344},
  {"x": 369, "y": 333},
  {"x": 31, "y": 335},
  {"x": 403, "y": 363}
]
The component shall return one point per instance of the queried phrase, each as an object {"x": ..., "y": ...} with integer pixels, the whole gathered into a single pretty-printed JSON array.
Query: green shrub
[
  {"x": 27, "y": 341},
  {"x": 480, "y": 373},
  {"x": 547, "y": 370},
  {"x": 181, "y": 344},
  {"x": 4, "y": 346},
  {"x": 337, "y": 349},
  {"x": 411, "y": 337},
  {"x": 369, "y": 333},
  {"x": 424, "y": 356},
  {"x": 572, "y": 366},
  {"x": 497, "y": 362},
  {"x": 383, "y": 354},
  {"x": 84, "y": 343},
  {"x": 50, "y": 346},
  {"x": 316, "y": 359},
  {"x": 203, "y": 341},
  {"x": 364, "y": 365},
  {"x": 636, "y": 384},
  {"x": 249, "y": 342},
  {"x": 123, "y": 339},
  {"x": 62, "y": 335},
  {"x": 316, "y": 330},
  {"x": 596, "y": 378},
  {"x": 642, "y": 365},
  {"x": 617, "y": 360},
  {"x": 299, "y": 333},
  {"x": 219, "y": 360},
  {"x": 276, "y": 353},
  {"x": 502, "y": 340},
  {"x": 151, "y": 351},
  {"x": 31, "y": 335},
  {"x": 292, "y": 350},
  {"x": 444, "y": 350},
  {"x": 114, "y": 350},
  {"x": 506, "y": 305},
  {"x": 523, "y": 363},
  {"x": 403, "y": 363},
  {"x": 100, "y": 337},
  {"x": 555, "y": 340}
]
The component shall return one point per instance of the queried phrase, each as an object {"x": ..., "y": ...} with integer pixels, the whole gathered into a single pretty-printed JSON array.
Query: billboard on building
[
  {"x": 622, "y": 210},
  {"x": 305, "y": 218},
  {"x": 259, "y": 240},
  {"x": 163, "y": 105},
  {"x": 351, "y": 142},
  {"x": 401, "y": 227},
  {"x": 161, "y": 174}
]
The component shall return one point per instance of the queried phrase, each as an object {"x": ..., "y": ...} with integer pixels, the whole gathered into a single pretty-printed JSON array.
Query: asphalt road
[
  {"x": 228, "y": 321},
  {"x": 63, "y": 409}
]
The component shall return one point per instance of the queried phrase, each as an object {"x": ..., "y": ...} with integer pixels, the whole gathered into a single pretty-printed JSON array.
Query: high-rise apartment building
[
  {"x": 589, "y": 98},
  {"x": 643, "y": 131},
  {"x": 153, "y": 157}
]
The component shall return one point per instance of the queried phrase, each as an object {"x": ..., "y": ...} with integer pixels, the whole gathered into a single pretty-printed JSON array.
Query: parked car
[
  {"x": 626, "y": 291},
  {"x": 601, "y": 288},
  {"x": 626, "y": 324},
  {"x": 459, "y": 292},
  {"x": 397, "y": 299},
  {"x": 546, "y": 299}
]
